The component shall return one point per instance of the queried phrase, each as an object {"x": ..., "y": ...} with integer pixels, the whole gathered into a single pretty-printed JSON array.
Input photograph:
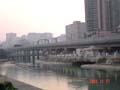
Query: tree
[{"x": 7, "y": 86}]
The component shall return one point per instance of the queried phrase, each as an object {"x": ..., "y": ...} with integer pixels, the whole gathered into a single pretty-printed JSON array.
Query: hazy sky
[{"x": 24, "y": 16}]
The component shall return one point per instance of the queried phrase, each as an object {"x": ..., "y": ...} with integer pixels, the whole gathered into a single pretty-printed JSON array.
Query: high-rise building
[
  {"x": 75, "y": 31},
  {"x": 102, "y": 15},
  {"x": 10, "y": 39},
  {"x": 10, "y": 36},
  {"x": 34, "y": 37}
]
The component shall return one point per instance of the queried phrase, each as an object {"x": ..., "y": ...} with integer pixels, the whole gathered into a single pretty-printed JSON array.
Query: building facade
[
  {"x": 61, "y": 38},
  {"x": 75, "y": 31},
  {"x": 10, "y": 36},
  {"x": 33, "y": 38},
  {"x": 102, "y": 15},
  {"x": 11, "y": 39}
]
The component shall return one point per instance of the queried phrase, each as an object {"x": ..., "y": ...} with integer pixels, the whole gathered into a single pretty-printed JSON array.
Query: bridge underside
[
  {"x": 68, "y": 50},
  {"x": 64, "y": 54}
]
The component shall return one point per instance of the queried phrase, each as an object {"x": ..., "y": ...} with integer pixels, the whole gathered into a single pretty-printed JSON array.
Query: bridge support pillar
[
  {"x": 24, "y": 57},
  {"x": 38, "y": 55},
  {"x": 27, "y": 55},
  {"x": 33, "y": 57},
  {"x": 21, "y": 56}
]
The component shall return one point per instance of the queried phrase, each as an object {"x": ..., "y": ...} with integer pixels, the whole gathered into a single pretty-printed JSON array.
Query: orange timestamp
[{"x": 102, "y": 81}]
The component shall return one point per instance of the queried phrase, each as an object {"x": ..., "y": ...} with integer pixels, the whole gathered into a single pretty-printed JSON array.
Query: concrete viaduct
[{"x": 31, "y": 53}]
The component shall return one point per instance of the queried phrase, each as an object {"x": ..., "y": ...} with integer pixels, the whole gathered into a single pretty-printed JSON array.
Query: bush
[{"x": 7, "y": 86}]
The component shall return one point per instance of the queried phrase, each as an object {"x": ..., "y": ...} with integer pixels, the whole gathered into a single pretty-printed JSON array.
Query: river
[{"x": 63, "y": 77}]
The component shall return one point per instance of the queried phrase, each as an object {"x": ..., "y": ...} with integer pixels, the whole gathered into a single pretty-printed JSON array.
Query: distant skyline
[{"x": 24, "y": 16}]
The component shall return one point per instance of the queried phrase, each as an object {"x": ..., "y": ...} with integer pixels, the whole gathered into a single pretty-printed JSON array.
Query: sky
[{"x": 24, "y": 16}]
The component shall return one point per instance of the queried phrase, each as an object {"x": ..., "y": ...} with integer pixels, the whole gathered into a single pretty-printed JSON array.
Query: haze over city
[
  {"x": 24, "y": 16},
  {"x": 60, "y": 44}
]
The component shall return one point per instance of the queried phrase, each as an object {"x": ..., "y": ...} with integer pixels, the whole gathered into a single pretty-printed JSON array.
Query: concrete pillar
[
  {"x": 28, "y": 55},
  {"x": 37, "y": 54},
  {"x": 22, "y": 54},
  {"x": 30, "y": 52},
  {"x": 19, "y": 55},
  {"x": 33, "y": 57},
  {"x": 16, "y": 56}
]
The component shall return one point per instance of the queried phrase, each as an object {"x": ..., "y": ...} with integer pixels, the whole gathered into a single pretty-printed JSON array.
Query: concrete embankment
[
  {"x": 102, "y": 67},
  {"x": 19, "y": 85}
]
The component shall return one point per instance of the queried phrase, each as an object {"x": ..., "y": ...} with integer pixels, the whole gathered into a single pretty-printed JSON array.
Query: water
[{"x": 63, "y": 77}]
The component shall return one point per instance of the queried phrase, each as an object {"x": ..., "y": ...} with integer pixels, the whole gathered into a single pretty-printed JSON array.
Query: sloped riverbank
[{"x": 19, "y": 85}]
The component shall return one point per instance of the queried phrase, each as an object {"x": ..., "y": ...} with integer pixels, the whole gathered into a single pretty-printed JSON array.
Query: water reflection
[{"x": 63, "y": 77}]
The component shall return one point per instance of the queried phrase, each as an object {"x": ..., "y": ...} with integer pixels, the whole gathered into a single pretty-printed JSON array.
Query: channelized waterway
[{"x": 63, "y": 77}]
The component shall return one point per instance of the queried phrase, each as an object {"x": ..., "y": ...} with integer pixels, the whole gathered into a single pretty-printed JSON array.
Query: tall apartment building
[
  {"x": 10, "y": 36},
  {"x": 75, "y": 31},
  {"x": 10, "y": 39},
  {"x": 102, "y": 15},
  {"x": 34, "y": 37}
]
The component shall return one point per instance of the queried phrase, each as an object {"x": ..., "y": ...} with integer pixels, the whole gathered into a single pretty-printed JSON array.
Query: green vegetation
[{"x": 7, "y": 86}]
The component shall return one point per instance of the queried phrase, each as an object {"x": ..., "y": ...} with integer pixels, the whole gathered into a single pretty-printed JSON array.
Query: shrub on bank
[{"x": 7, "y": 86}]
